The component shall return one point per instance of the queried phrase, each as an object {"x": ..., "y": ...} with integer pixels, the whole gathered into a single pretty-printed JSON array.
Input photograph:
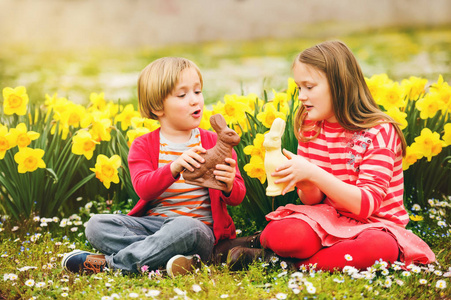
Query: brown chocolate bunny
[{"x": 227, "y": 139}]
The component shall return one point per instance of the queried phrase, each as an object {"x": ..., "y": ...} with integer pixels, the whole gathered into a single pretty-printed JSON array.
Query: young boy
[{"x": 173, "y": 223}]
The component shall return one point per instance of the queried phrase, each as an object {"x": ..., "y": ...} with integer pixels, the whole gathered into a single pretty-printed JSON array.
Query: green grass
[{"x": 33, "y": 250}]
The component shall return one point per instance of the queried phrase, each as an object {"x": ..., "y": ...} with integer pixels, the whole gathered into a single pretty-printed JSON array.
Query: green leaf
[{"x": 52, "y": 174}]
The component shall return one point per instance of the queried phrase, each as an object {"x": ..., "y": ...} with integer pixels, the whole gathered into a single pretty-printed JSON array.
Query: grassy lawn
[{"x": 31, "y": 254}]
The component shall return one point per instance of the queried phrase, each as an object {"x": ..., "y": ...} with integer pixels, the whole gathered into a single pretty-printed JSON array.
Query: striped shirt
[
  {"x": 371, "y": 159},
  {"x": 181, "y": 199}
]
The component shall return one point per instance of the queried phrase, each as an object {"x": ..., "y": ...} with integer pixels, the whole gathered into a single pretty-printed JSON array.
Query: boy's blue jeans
[{"x": 132, "y": 242}]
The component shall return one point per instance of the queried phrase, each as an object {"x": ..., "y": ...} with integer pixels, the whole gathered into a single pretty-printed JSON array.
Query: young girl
[
  {"x": 348, "y": 173},
  {"x": 173, "y": 223}
]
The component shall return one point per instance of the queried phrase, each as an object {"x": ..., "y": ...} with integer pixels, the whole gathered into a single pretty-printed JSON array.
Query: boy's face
[{"x": 182, "y": 109}]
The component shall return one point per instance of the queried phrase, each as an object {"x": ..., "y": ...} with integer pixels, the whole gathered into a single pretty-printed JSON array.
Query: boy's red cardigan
[{"x": 150, "y": 181}]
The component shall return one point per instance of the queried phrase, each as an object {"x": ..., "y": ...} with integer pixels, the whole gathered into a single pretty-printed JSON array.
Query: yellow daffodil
[
  {"x": 23, "y": 136},
  {"x": 112, "y": 109},
  {"x": 99, "y": 125},
  {"x": 29, "y": 160},
  {"x": 58, "y": 105},
  {"x": 241, "y": 127},
  {"x": 106, "y": 169},
  {"x": 447, "y": 134},
  {"x": 126, "y": 116},
  {"x": 416, "y": 218},
  {"x": 33, "y": 119},
  {"x": 414, "y": 87},
  {"x": 398, "y": 116},
  {"x": 256, "y": 149},
  {"x": 233, "y": 110},
  {"x": 280, "y": 102},
  {"x": 393, "y": 96},
  {"x": 150, "y": 124},
  {"x": 376, "y": 86},
  {"x": 15, "y": 101},
  {"x": 132, "y": 134},
  {"x": 443, "y": 91},
  {"x": 69, "y": 116},
  {"x": 292, "y": 90},
  {"x": 445, "y": 96},
  {"x": 205, "y": 122},
  {"x": 84, "y": 144},
  {"x": 73, "y": 115},
  {"x": 97, "y": 101},
  {"x": 50, "y": 100},
  {"x": 237, "y": 129},
  {"x": 100, "y": 130},
  {"x": 254, "y": 102},
  {"x": 256, "y": 169},
  {"x": 269, "y": 114},
  {"x": 413, "y": 153},
  {"x": 440, "y": 82},
  {"x": 7, "y": 140},
  {"x": 429, "y": 143},
  {"x": 429, "y": 105}
]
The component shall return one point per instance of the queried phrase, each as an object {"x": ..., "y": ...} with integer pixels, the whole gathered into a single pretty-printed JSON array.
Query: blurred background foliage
[{"x": 227, "y": 66}]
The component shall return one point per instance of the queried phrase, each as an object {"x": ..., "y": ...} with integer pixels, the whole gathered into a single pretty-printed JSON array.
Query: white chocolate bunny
[
  {"x": 274, "y": 156},
  {"x": 227, "y": 139}
]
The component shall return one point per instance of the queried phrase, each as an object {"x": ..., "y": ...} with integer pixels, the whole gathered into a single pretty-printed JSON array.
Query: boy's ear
[{"x": 158, "y": 113}]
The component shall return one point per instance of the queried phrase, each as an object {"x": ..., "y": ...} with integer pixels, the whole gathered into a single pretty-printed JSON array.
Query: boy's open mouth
[{"x": 197, "y": 113}]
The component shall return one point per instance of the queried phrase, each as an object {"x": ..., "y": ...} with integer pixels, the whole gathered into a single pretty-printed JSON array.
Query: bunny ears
[
  {"x": 278, "y": 127},
  {"x": 218, "y": 122}
]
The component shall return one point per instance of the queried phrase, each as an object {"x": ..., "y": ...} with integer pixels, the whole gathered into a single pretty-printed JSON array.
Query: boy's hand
[
  {"x": 189, "y": 160},
  {"x": 226, "y": 173}
]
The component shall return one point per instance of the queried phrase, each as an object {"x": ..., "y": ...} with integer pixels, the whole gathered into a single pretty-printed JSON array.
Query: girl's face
[
  {"x": 314, "y": 92},
  {"x": 182, "y": 109}
]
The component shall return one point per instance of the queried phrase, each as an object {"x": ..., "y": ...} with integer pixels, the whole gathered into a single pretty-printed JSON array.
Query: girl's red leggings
[{"x": 294, "y": 238}]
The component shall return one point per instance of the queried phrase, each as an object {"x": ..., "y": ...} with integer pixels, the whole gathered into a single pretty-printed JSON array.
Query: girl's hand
[
  {"x": 189, "y": 160},
  {"x": 294, "y": 172},
  {"x": 226, "y": 173}
]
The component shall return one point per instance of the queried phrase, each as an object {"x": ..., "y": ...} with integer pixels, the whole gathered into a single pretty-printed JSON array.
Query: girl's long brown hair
[{"x": 354, "y": 107}]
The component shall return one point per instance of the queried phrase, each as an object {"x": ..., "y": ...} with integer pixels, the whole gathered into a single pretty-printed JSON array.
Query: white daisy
[
  {"x": 29, "y": 282},
  {"x": 441, "y": 284},
  {"x": 311, "y": 289},
  {"x": 281, "y": 296},
  {"x": 153, "y": 293},
  {"x": 196, "y": 288}
]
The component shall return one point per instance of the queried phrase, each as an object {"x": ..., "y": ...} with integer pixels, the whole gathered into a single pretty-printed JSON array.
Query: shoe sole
[
  {"x": 179, "y": 265},
  {"x": 67, "y": 256}
]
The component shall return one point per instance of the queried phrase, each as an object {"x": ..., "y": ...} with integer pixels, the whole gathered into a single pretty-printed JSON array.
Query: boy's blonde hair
[
  {"x": 157, "y": 81},
  {"x": 353, "y": 104}
]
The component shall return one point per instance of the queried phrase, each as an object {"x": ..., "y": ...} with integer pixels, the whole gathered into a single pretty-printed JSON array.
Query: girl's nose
[{"x": 302, "y": 96}]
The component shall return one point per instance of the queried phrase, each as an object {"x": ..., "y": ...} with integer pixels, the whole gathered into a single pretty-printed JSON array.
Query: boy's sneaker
[
  {"x": 79, "y": 261},
  {"x": 180, "y": 264}
]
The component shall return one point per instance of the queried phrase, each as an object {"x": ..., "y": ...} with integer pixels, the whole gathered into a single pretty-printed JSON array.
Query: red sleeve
[{"x": 376, "y": 170}]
